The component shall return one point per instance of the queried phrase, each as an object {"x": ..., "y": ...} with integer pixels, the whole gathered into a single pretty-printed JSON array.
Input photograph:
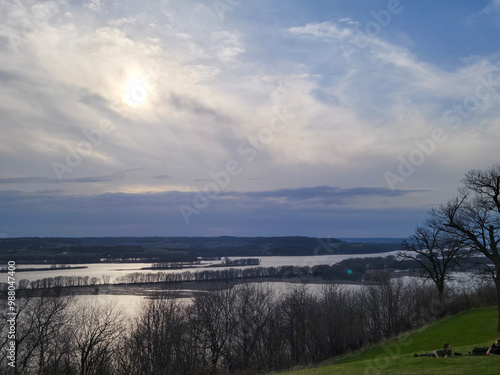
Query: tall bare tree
[
  {"x": 155, "y": 343},
  {"x": 96, "y": 334},
  {"x": 214, "y": 322},
  {"x": 42, "y": 335},
  {"x": 253, "y": 309},
  {"x": 436, "y": 251},
  {"x": 474, "y": 218}
]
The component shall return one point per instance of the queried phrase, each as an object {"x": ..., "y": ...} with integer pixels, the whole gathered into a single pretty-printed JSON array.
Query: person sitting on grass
[
  {"x": 445, "y": 352},
  {"x": 439, "y": 353},
  {"x": 495, "y": 348}
]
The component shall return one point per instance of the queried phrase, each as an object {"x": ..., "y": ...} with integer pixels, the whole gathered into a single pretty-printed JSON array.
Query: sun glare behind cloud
[{"x": 136, "y": 92}]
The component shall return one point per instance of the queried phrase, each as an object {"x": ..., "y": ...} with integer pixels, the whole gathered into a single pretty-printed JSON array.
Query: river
[{"x": 115, "y": 270}]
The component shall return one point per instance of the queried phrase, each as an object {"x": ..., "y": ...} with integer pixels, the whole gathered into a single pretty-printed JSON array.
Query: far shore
[{"x": 45, "y": 269}]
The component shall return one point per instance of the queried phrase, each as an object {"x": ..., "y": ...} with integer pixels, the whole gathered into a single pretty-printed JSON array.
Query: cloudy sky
[{"x": 242, "y": 117}]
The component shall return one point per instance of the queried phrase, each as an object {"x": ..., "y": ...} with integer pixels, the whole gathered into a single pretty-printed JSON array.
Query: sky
[{"x": 321, "y": 118}]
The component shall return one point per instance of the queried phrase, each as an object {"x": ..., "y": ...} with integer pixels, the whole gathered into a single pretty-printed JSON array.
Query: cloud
[
  {"x": 93, "y": 5},
  {"x": 349, "y": 21},
  {"x": 382, "y": 81},
  {"x": 207, "y": 93},
  {"x": 328, "y": 193},
  {"x": 162, "y": 177},
  {"x": 6, "y": 76},
  {"x": 323, "y": 30},
  {"x": 45, "y": 180},
  {"x": 209, "y": 85},
  {"x": 64, "y": 91},
  {"x": 492, "y": 7},
  {"x": 229, "y": 45},
  {"x": 113, "y": 214}
]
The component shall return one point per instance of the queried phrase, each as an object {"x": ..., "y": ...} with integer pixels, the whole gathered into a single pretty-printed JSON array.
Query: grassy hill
[{"x": 463, "y": 332}]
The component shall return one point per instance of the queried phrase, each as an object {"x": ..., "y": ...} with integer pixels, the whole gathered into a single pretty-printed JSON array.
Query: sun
[{"x": 136, "y": 92}]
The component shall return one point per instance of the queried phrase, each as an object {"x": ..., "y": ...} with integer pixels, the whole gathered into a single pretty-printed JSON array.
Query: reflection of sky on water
[
  {"x": 130, "y": 306},
  {"x": 114, "y": 270}
]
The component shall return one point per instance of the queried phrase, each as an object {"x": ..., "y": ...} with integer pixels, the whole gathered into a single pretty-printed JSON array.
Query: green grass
[{"x": 462, "y": 331}]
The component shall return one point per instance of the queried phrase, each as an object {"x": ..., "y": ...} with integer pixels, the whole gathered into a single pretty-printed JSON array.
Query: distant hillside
[
  {"x": 373, "y": 240},
  {"x": 96, "y": 249}
]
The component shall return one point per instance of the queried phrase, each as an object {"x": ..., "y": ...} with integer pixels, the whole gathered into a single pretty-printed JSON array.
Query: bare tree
[
  {"x": 301, "y": 317},
  {"x": 214, "y": 322},
  {"x": 382, "y": 302},
  {"x": 96, "y": 333},
  {"x": 42, "y": 334},
  {"x": 474, "y": 218},
  {"x": 24, "y": 329},
  {"x": 436, "y": 251},
  {"x": 155, "y": 343},
  {"x": 253, "y": 309},
  {"x": 340, "y": 305}
]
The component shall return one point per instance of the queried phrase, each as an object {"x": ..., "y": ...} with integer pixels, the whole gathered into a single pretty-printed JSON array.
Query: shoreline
[
  {"x": 185, "y": 289},
  {"x": 46, "y": 269}
]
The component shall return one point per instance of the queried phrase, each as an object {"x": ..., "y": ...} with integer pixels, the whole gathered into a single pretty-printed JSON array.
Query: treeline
[
  {"x": 53, "y": 267},
  {"x": 226, "y": 274},
  {"x": 223, "y": 274},
  {"x": 238, "y": 262},
  {"x": 237, "y": 329},
  {"x": 59, "y": 282},
  {"x": 173, "y": 249},
  {"x": 353, "y": 269},
  {"x": 172, "y": 265},
  {"x": 103, "y": 255}
]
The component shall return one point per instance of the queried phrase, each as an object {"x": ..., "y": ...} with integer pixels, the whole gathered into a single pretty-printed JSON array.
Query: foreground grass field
[{"x": 463, "y": 332}]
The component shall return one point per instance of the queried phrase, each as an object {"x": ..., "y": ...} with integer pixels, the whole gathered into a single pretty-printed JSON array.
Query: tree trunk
[
  {"x": 440, "y": 288},
  {"x": 497, "y": 284}
]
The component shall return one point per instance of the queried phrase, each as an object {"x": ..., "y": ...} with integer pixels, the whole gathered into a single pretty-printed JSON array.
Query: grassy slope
[{"x": 463, "y": 332}]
